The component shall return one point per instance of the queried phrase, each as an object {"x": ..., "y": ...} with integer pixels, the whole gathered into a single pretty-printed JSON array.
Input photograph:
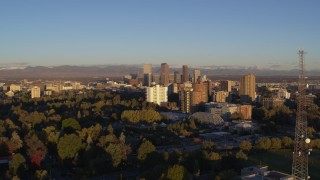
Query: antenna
[{"x": 301, "y": 151}]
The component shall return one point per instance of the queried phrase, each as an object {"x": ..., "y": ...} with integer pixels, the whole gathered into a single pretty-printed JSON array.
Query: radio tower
[{"x": 301, "y": 151}]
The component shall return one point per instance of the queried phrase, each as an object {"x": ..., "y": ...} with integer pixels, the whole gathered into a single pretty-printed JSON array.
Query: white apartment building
[
  {"x": 157, "y": 94},
  {"x": 35, "y": 92}
]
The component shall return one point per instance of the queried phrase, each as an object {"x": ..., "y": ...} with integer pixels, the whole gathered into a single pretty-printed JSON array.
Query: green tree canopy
[
  {"x": 18, "y": 162},
  {"x": 70, "y": 124},
  {"x": 68, "y": 146},
  {"x": 276, "y": 143},
  {"x": 145, "y": 148},
  {"x": 263, "y": 144},
  {"x": 177, "y": 172},
  {"x": 241, "y": 155},
  {"x": 287, "y": 142},
  {"x": 119, "y": 152}
]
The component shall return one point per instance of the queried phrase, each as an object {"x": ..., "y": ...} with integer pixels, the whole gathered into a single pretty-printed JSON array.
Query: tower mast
[{"x": 301, "y": 152}]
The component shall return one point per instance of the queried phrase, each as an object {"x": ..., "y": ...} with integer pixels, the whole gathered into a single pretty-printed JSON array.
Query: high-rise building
[
  {"x": 225, "y": 86},
  {"x": 221, "y": 96},
  {"x": 147, "y": 74},
  {"x": 35, "y": 92},
  {"x": 157, "y": 94},
  {"x": 147, "y": 79},
  {"x": 177, "y": 77},
  {"x": 185, "y": 74},
  {"x": 196, "y": 75},
  {"x": 185, "y": 97},
  {"x": 247, "y": 90},
  {"x": 164, "y": 75},
  {"x": 156, "y": 78},
  {"x": 147, "y": 69}
]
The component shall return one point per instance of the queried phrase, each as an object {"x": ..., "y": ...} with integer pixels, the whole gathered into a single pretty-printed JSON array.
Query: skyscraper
[
  {"x": 185, "y": 97},
  {"x": 196, "y": 75},
  {"x": 247, "y": 90},
  {"x": 147, "y": 68},
  {"x": 147, "y": 74},
  {"x": 164, "y": 74},
  {"x": 185, "y": 74},
  {"x": 177, "y": 77},
  {"x": 225, "y": 86}
]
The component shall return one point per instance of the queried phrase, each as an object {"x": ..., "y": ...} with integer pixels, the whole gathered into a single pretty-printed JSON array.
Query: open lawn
[{"x": 281, "y": 160}]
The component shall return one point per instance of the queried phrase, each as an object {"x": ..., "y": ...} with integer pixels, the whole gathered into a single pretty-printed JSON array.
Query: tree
[
  {"x": 119, "y": 152},
  {"x": 15, "y": 142},
  {"x": 311, "y": 131},
  {"x": 276, "y": 143},
  {"x": 145, "y": 148},
  {"x": 70, "y": 124},
  {"x": 51, "y": 134},
  {"x": 213, "y": 156},
  {"x": 241, "y": 155},
  {"x": 263, "y": 144},
  {"x": 177, "y": 172},
  {"x": 287, "y": 142},
  {"x": 208, "y": 145},
  {"x": 36, "y": 149},
  {"x": 68, "y": 146},
  {"x": 18, "y": 163},
  {"x": 245, "y": 145},
  {"x": 259, "y": 114}
]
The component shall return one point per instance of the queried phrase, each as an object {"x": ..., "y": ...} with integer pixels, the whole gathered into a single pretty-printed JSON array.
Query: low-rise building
[{"x": 15, "y": 87}]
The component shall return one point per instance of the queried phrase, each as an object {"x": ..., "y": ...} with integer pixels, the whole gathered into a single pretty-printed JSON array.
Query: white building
[
  {"x": 15, "y": 87},
  {"x": 157, "y": 94},
  {"x": 223, "y": 110},
  {"x": 283, "y": 93},
  {"x": 35, "y": 92}
]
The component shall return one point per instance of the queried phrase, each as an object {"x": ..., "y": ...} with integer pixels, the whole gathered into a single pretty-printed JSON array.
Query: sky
[{"x": 248, "y": 33}]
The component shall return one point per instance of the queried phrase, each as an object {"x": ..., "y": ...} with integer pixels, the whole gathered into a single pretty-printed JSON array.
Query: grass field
[{"x": 282, "y": 161}]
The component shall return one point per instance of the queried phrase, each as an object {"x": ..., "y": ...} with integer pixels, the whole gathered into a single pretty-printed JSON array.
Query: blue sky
[{"x": 263, "y": 33}]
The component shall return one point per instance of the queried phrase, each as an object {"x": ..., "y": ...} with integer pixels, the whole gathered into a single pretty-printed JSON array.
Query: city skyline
[{"x": 230, "y": 33}]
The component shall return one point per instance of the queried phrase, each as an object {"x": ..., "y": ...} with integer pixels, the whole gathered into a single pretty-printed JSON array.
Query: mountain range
[{"x": 102, "y": 71}]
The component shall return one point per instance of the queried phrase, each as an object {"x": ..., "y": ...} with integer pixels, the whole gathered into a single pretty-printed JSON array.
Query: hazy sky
[{"x": 264, "y": 33}]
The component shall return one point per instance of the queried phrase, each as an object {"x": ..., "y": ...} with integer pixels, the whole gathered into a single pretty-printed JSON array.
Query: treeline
[{"x": 145, "y": 115}]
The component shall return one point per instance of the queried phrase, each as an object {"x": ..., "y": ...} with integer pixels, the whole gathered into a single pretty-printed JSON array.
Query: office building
[
  {"x": 247, "y": 89},
  {"x": 147, "y": 74},
  {"x": 147, "y": 69},
  {"x": 157, "y": 94},
  {"x": 164, "y": 74},
  {"x": 35, "y": 92},
  {"x": 226, "y": 86},
  {"x": 185, "y": 74},
  {"x": 196, "y": 75},
  {"x": 221, "y": 96},
  {"x": 272, "y": 102},
  {"x": 177, "y": 77},
  {"x": 156, "y": 78}
]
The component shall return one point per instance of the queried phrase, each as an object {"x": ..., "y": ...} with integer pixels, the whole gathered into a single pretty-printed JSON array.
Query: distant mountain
[{"x": 70, "y": 72}]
